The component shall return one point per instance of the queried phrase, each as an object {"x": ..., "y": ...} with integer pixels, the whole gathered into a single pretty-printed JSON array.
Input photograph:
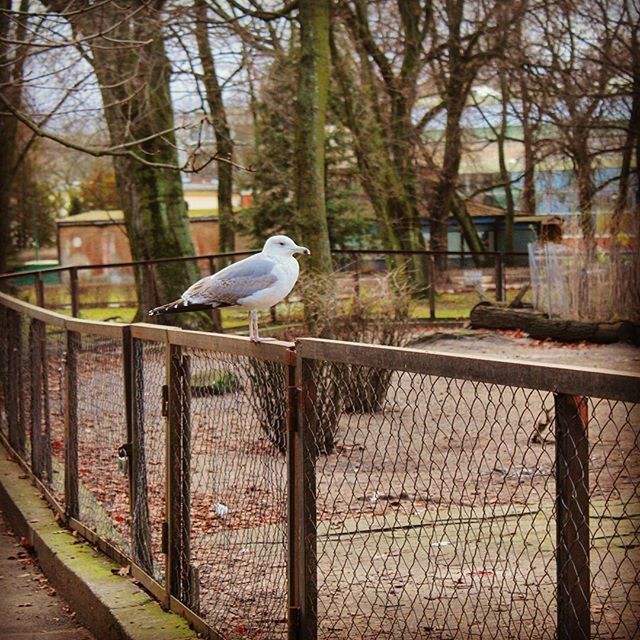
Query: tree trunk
[
  {"x": 586, "y": 188},
  {"x": 528, "y": 139},
  {"x": 11, "y": 76},
  {"x": 312, "y": 103},
  {"x": 224, "y": 143},
  {"x": 505, "y": 175}
]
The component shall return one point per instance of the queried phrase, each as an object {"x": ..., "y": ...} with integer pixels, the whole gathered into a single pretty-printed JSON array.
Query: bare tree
[{"x": 224, "y": 142}]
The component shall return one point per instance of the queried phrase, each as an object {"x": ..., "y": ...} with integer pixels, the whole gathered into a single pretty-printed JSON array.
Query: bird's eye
[{"x": 282, "y": 243}]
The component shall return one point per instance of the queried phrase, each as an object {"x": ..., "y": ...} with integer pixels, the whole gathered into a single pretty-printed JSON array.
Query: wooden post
[
  {"x": 137, "y": 457},
  {"x": 572, "y": 517},
  {"x": 36, "y": 340},
  {"x": 39, "y": 290},
  {"x": 302, "y": 525},
  {"x": 179, "y": 477},
  {"x": 499, "y": 277},
  {"x": 73, "y": 288},
  {"x": 71, "y": 494},
  {"x": 432, "y": 287}
]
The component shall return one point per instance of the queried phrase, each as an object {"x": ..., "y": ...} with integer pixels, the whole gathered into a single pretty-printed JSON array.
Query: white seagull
[{"x": 257, "y": 282}]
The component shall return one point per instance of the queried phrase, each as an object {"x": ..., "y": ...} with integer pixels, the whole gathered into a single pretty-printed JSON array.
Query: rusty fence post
[
  {"x": 36, "y": 346},
  {"x": 356, "y": 279},
  {"x": 432, "y": 287},
  {"x": 215, "y": 313},
  {"x": 182, "y": 579},
  {"x": 136, "y": 453},
  {"x": 71, "y": 493},
  {"x": 39, "y": 290},
  {"x": 572, "y": 517},
  {"x": 499, "y": 277},
  {"x": 73, "y": 288},
  {"x": 302, "y": 452}
]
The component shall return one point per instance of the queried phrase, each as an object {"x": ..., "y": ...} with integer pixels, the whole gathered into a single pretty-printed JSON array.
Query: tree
[
  {"x": 313, "y": 90},
  {"x": 224, "y": 142},
  {"x": 12, "y": 62},
  {"x": 571, "y": 84},
  {"x": 124, "y": 46}
]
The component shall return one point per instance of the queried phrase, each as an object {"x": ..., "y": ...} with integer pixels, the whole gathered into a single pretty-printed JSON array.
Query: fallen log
[{"x": 539, "y": 326}]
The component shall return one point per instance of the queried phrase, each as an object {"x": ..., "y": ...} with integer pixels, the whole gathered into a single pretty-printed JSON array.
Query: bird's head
[{"x": 283, "y": 246}]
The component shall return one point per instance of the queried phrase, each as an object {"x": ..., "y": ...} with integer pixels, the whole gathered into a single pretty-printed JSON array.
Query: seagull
[{"x": 257, "y": 282}]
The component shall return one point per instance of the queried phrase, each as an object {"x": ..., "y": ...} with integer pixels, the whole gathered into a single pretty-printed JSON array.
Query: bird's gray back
[{"x": 235, "y": 282}]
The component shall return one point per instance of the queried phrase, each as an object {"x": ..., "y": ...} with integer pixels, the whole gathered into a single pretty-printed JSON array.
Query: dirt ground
[
  {"x": 436, "y": 514},
  {"x": 618, "y": 356}
]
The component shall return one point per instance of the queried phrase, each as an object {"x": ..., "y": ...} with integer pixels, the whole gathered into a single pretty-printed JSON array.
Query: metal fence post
[
  {"x": 136, "y": 452},
  {"x": 15, "y": 399},
  {"x": 572, "y": 517},
  {"x": 432, "y": 287},
  {"x": 499, "y": 277},
  {"x": 39, "y": 290},
  {"x": 73, "y": 288},
  {"x": 71, "y": 494},
  {"x": 356, "y": 279},
  {"x": 36, "y": 345},
  {"x": 181, "y": 579},
  {"x": 302, "y": 510}
]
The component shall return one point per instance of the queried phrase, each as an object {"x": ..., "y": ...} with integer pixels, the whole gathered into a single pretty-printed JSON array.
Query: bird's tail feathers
[{"x": 180, "y": 306}]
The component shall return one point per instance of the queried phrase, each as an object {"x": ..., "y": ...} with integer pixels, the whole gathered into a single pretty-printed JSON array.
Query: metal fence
[
  {"x": 78, "y": 288},
  {"x": 334, "y": 490}
]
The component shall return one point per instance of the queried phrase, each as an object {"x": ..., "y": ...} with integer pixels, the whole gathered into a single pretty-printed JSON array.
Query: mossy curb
[{"x": 111, "y": 606}]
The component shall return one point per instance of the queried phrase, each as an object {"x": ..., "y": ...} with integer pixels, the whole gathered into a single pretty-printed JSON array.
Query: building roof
[{"x": 99, "y": 217}]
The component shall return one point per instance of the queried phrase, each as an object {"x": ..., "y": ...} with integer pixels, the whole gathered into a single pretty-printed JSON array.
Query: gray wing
[{"x": 234, "y": 282}]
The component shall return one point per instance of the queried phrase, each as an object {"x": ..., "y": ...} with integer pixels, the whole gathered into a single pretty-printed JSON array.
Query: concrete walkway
[{"x": 30, "y": 608}]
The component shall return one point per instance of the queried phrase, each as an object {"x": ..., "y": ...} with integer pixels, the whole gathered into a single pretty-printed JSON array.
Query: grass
[{"x": 104, "y": 297}]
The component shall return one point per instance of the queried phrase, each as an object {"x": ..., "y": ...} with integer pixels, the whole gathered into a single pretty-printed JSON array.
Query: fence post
[
  {"x": 15, "y": 399},
  {"x": 39, "y": 290},
  {"x": 71, "y": 494},
  {"x": 215, "y": 313},
  {"x": 432, "y": 287},
  {"x": 302, "y": 515},
  {"x": 179, "y": 573},
  {"x": 73, "y": 288},
  {"x": 572, "y": 517},
  {"x": 356, "y": 279},
  {"x": 136, "y": 453},
  {"x": 499, "y": 277},
  {"x": 36, "y": 340}
]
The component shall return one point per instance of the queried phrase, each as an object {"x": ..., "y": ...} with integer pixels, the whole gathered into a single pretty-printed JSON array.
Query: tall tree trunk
[
  {"x": 309, "y": 158},
  {"x": 11, "y": 76},
  {"x": 224, "y": 143},
  {"x": 505, "y": 175},
  {"x": 313, "y": 89},
  {"x": 585, "y": 185},
  {"x": 528, "y": 139}
]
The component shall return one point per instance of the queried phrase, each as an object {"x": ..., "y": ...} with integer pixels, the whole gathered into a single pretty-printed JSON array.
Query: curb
[{"x": 111, "y": 606}]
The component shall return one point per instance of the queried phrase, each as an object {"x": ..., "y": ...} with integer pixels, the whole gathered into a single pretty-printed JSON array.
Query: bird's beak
[{"x": 304, "y": 251}]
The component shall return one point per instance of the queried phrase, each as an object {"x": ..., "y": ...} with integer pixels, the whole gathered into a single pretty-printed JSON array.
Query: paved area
[{"x": 30, "y": 608}]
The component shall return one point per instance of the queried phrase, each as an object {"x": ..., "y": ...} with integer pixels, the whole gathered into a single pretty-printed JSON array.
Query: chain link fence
[{"x": 330, "y": 489}]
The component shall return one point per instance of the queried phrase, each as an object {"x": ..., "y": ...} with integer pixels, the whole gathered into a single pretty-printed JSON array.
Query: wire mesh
[
  {"x": 237, "y": 480},
  {"x": 102, "y": 430},
  {"x": 149, "y": 511},
  {"x": 436, "y": 509}
]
